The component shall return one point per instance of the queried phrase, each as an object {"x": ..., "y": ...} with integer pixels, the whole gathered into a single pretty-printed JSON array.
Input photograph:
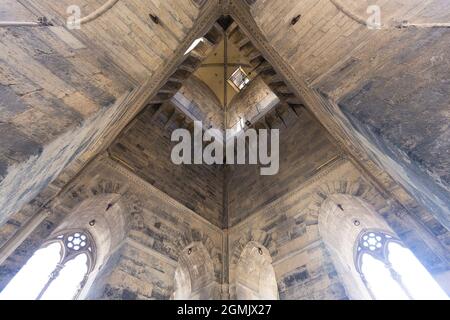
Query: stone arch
[
  {"x": 200, "y": 244},
  {"x": 429, "y": 250},
  {"x": 254, "y": 238},
  {"x": 359, "y": 189},
  {"x": 341, "y": 220},
  {"x": 105, "y": 216},
  {"x": 84, "y": 191},
  {"x": 389, "y": 212},
  {"x": 193, "y": 235},
  {"x": 106, "y": 219},
  {"x": 194, "y": 276},
  {"x": 104, "y": 188},
  {"x": 257, "y": 236},
  {"x": 353, "y": 200},
  {"x": 254, "y": 276}
]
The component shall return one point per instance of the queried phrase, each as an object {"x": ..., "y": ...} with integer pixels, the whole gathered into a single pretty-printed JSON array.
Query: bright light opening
[
  {"x": 31, "y": 279},
  {"x": 392, "y": 272},
  {"x": 380, "y": 281},
  {"x": 67, "y": 284},
  {"x": 194, "y": 45},
  {"x": 53, "y": 272},
  {"x": 238, "y": 79},
  {"x": 415, "y": 277}
]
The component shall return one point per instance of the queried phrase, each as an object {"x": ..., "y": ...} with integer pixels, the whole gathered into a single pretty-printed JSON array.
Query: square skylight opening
[{"x": 239, "y": 79}]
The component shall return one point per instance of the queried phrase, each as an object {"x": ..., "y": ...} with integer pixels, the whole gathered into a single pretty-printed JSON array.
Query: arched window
[
  {"x": 57, "y": 271},
  {"x": 391, "y": 271}
]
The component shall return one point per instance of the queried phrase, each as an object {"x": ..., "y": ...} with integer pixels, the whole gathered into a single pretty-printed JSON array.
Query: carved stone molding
[
  {"x": 358, "y": 189},
  {"x": 209, "y": 14},
  {"x": 129, "y": 105},
  {"x": 327, "y": 112},
  {"x": 151, "y": 189},
  {"x": 259, "y": 237}
]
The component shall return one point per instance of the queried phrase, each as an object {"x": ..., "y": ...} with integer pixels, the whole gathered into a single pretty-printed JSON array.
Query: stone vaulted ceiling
[
  {"x": 382, "y": 95},
  {"x": 392, "y": 84},
  {"x": 212, "y": 70}
]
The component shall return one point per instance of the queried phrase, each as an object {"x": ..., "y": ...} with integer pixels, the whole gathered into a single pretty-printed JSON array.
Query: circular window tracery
[
  {"x": 73, "y": 260},
  {"x": 373, "y": 242},
  {"x": 380, "y": 259},
  {"x": 77, "y": 241}
]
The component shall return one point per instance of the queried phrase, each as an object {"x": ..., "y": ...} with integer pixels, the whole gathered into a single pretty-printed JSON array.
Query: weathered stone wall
[
  {"x": 392, "y": 83},
  {"x": 160, "y": 231},
  {"x": 288, "y": 228},
  {"x": 59, "y": 89},
  {"x": 255, "y": 275},
  {"x": 146, "y": 148},
  {"x": 199, "y": 101},
  {"x": 304, "y": 147},
  {"x": 250, "y": 103}
]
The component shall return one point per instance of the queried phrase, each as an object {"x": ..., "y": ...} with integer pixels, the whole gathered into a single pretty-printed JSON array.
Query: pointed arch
[
  {"x": 257, "y": 236},
  {"x": 247, "y": 250},
  {"x": 409, "y": 228},
  {"x": 194, "y": 276},
  {"x": 197, "y": 236},
  {"x": 255, "y": 277},
  {"x": 106, "y": 217},
  {"x": 359, "y": 189},
  {"x": 58, "y": 270},
  {"x": 341, "y": 219},
  {"x": 355, "y": 234}
]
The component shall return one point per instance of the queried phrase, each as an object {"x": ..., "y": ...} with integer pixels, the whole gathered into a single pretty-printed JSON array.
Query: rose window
[
  {"x": 372, "y": 241},
  {"x": 76, "y": 241}
]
